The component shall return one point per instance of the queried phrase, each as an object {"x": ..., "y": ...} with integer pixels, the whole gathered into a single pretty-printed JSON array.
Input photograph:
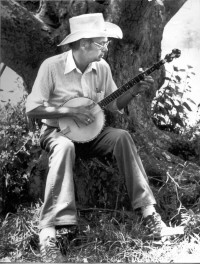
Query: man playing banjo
[{"x": 82, "y": 73}]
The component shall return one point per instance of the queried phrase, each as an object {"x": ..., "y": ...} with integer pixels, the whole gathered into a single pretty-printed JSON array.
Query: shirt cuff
[{"x": 114, "y": 108}]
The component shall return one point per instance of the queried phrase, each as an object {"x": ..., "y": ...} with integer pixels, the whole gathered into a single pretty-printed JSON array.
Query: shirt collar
[{"x": 71, "y": 65}]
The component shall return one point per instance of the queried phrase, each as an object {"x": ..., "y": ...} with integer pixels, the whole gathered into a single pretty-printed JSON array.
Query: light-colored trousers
[{"x": 59, "y": 206}]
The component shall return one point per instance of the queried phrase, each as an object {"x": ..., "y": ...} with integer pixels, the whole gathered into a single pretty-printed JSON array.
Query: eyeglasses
[{"x": 100, "y": 46}]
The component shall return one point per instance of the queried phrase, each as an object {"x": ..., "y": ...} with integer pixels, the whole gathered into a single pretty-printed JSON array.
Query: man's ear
[{"x": 84, "y": 43}]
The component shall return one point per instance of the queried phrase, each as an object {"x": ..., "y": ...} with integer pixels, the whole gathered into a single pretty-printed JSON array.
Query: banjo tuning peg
[{"x": 176, "y": 52}]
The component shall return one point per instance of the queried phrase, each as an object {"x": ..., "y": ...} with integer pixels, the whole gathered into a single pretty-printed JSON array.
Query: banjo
[{"x": 81, "y": 133}]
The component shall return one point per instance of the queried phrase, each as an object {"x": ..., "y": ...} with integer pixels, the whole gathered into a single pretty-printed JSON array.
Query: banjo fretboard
[{"x": 107, "y": 100}]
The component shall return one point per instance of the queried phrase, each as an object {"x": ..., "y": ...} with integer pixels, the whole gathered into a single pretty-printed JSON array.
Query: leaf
[
  {"x": 169, "y": 101},
  {"x": 175, "y": 68},
  {"x": 178, "y": 78},
  {"x": 189, "y": 66},
  {"x": 160, "y": 117},
  {"x": 182, "y": 70},
  {"x": 1, "y": 90},
  {"x": 187, "y": 106},
  {"x": 180, "y": 94},
  {"x": 168, "y": 107},
  {"x": 167, "y": 78},
  {"x": 178, "y": 120},
  {"x": 179, "y": 108},
  {"x": 177, "y": 88},
  {"x": 161, "y": 105},
  {"x": 176, "y": 102},
  {"x": 168, "y": 87},
  {"x": 190, "y": 100},
  {"x": 3, "y": 101},
  {"x": 193, "y": 73},
  {"x": 162, "y": 111},
  {"x": 11, "y": 91},
  {"x": 172, "y": 101}
]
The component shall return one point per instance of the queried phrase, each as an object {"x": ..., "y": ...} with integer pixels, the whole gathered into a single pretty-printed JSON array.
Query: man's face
[{"x": 96, "y": 49}]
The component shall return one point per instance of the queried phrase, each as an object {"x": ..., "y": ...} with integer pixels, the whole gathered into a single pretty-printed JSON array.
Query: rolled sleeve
[
  {"x": 114, "y": 108},
  {"x": 42, "y": 87}
]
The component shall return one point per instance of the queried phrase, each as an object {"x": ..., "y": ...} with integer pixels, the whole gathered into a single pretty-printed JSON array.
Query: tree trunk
[{"x": 30, "y": 33}]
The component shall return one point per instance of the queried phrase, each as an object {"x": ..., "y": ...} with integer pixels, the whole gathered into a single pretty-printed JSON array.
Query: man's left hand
[{"x": 143, "y": 85}]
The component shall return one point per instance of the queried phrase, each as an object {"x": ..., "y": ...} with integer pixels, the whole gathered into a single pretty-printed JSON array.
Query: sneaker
[
  {"x": 65, "y": 235},
  {"x": 50, "y": 251},
  {"x": 154, "y": 224}
]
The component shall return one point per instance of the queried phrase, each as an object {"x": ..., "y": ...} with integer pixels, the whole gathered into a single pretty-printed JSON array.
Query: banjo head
[{"x": 77, "y": 131}]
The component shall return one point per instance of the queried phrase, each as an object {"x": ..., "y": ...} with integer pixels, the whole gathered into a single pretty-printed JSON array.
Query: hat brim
[{"x": 111, "y": 31}]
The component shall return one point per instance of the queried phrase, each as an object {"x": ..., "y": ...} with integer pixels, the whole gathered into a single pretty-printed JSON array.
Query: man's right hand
[{"x": 82, "y": 114}]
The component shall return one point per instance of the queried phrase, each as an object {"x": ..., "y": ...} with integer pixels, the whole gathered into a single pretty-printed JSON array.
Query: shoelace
[
  {"x": 154, "y": 222},
  {"x": 50, "y": 251},
  {"x": 185, "y": 218}
]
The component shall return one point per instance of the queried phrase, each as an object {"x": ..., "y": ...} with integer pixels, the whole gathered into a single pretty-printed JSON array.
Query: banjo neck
[{"x": 124, "y": 88}]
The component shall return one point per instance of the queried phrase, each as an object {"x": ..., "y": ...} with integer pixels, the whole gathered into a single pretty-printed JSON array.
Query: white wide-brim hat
[{"x": 91, "y": 26}]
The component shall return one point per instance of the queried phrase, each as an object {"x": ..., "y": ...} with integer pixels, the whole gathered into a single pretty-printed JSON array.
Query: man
[{"x": 82, "y": 72}]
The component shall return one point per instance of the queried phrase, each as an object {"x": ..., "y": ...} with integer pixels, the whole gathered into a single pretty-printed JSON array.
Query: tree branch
[
  {"x": 2, "y": 69},
  {"x": 172, "y": 7},
  {"x": 25, "y": 41}
]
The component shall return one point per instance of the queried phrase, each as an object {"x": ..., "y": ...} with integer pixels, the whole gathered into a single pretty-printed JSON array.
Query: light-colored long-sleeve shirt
[{"x": 59, "y": 80}]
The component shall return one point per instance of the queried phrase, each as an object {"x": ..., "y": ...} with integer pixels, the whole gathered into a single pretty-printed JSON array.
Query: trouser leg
[
  {"x": 59, "y": 201},
  {"x": 119, "y": 143},
  {"x": 131, "y": 167}
]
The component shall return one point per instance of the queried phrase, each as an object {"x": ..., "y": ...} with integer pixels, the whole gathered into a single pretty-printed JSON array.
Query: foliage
[
  {"x": 102, "y": 236},
  {"x": 19, "y": 152},
  {"x": 170, "y": 106},
  {"x": 170, "y": 110},
  {"x": 98, "y": 183},
  {"x": 107, "y": 235},
  {"x": 187, "y": 146},
  {"x": 19, "y": 232}
]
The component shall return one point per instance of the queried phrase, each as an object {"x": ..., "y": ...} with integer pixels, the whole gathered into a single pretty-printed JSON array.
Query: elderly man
[{"x": 82, "y": 73}]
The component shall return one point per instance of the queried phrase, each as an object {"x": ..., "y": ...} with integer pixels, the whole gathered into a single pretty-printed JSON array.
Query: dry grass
[{"x": 103, "y": 236}]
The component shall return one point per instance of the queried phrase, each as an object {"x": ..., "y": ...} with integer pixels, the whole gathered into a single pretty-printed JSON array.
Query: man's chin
[
  {"x": 98, "y": 58},
  {"x": 101, "y": 57}
]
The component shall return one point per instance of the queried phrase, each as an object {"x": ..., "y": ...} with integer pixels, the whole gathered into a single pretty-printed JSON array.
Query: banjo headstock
[{"x": 176, "y": 53}]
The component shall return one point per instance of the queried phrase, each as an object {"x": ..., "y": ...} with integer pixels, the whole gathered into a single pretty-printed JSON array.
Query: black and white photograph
[{"x": 100, "y": 131}]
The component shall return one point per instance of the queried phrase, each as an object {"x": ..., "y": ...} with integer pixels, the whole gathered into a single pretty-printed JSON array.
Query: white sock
[
  {"x": 148, "y": 210},
  {"x": 47, "y": 232}
]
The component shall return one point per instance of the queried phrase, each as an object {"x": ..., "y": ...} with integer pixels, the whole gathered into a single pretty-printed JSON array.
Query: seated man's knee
[
  {"x": 124, "y": 139},
  {"x": 65, "y": 144},
  {"x": 124, "y": 135}
]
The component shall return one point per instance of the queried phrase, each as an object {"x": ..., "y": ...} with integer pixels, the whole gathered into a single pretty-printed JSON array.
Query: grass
[{"x": 103, "y": 236}]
